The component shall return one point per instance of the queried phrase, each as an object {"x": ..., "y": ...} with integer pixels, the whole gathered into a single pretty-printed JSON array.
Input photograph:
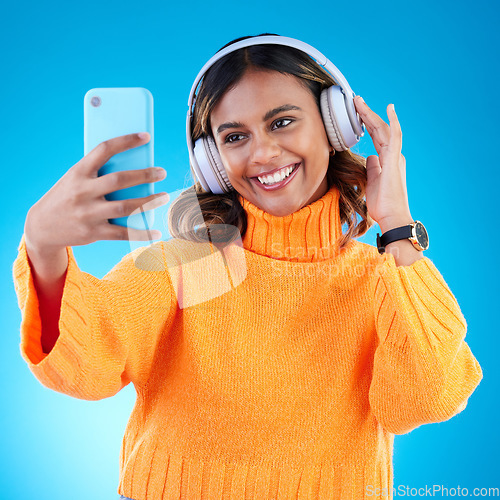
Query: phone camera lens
[{"x": 95, "y": 101}]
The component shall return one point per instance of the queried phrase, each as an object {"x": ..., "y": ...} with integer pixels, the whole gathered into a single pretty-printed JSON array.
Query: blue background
[{"x": 436, "y": 61}]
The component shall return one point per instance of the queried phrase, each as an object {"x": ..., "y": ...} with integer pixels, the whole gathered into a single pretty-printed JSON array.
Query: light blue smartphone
[{"x": 112, "y": 112}]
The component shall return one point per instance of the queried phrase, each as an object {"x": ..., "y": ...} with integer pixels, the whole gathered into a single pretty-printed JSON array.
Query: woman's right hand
[{"x": 75, "y": 212}]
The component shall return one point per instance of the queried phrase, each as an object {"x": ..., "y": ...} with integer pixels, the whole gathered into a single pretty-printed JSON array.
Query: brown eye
[
  {"x": 231, "y": 138},
  {"x": 282, "y": 122}
]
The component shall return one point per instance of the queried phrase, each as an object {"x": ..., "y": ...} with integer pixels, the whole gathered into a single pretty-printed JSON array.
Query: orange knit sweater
[{"x": 278, "y": 370}]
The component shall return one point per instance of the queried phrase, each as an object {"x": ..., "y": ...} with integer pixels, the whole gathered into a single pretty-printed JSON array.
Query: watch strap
[{"x": 398, "y": 233}]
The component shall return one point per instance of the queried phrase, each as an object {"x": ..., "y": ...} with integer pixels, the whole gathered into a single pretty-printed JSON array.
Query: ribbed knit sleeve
[
  {"x": 423, "y": 369},
  {"x": 109, "y": 327}
]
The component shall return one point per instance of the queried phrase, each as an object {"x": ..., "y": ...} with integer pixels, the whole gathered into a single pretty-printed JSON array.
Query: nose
[{"x": 264, "y": 148}]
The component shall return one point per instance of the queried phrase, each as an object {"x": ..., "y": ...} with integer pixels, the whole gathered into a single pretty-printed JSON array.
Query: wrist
[
  {"x": 47, "y": 267},
  {"x": 34, "y": 246},
  {"x": 47, "y": 264},
  {"x": 388, "y": 223}
]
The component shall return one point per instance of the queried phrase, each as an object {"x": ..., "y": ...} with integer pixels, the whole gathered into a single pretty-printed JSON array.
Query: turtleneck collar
[{"x": 308, "y": 235}]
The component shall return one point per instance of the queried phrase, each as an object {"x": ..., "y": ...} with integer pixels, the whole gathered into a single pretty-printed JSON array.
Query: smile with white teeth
[{"x": 278, "y": 176}]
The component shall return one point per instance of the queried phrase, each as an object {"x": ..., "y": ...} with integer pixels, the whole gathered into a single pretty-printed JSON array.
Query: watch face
[{"x": 421, "y": 234}]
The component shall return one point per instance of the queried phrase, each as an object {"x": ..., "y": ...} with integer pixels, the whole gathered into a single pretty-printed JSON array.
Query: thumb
[{"x": 373, "y": 169}]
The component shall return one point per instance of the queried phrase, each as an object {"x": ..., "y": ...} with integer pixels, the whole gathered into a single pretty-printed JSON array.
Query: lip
[{"x": 281, "y": 184}]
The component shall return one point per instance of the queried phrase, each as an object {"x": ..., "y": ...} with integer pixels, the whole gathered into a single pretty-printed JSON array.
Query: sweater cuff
[{"x": 61, "y": 366}]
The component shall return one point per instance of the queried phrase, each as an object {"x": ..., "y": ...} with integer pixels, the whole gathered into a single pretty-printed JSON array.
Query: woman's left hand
[{"x": 386, "y": 194}]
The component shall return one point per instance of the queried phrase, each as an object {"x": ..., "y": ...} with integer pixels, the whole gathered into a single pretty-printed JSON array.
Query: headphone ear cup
[
  {"x": 211, "y": 172},
  {"x": 336, "y": 120}
]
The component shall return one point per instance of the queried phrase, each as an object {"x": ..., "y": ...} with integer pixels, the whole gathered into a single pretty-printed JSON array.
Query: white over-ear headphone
[{"x": 343, "y": 126}]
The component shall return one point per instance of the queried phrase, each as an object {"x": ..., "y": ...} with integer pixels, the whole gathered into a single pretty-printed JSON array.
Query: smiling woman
[
  {"x": 282, "y": 369},
  {"x": 261, "y": 106}
]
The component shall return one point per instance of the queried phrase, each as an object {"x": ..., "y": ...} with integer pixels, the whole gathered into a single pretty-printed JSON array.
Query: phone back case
[{"x": 112, "y": 112}]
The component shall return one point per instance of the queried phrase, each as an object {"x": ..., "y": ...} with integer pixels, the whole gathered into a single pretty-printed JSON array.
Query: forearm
[
  {"x": 423, "y": 369},
  {"x": 49, "y": 274}
]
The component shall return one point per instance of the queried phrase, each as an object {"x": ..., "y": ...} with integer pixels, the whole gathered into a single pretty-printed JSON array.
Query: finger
[
  {"x": 371, "y": 120},
  {"x": 396, "y": 135},
  {"x": 376, "y": 127},
  {"x": 110, "y": 231},
  {"x": 93, "y": 161},
  {"x": 403, "y": 175},
  {"x": 373, "y": 169},
  {"x": 124, "y": 208},
  {"x": 115, "y": 181},
  {"x": 394, "y": 123}
]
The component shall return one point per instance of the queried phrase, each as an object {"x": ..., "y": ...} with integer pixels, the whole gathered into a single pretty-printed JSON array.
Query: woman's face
[{"x": 269, "y": 124}]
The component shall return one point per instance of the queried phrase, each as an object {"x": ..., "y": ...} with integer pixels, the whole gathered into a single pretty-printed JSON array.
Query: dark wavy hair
[{"x": 196, "y": 210}]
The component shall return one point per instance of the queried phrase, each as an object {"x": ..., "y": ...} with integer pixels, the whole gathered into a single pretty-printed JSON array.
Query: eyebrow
[
  {"x": 281, "y": 109},
  {"x": 267, "y": 116}
]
